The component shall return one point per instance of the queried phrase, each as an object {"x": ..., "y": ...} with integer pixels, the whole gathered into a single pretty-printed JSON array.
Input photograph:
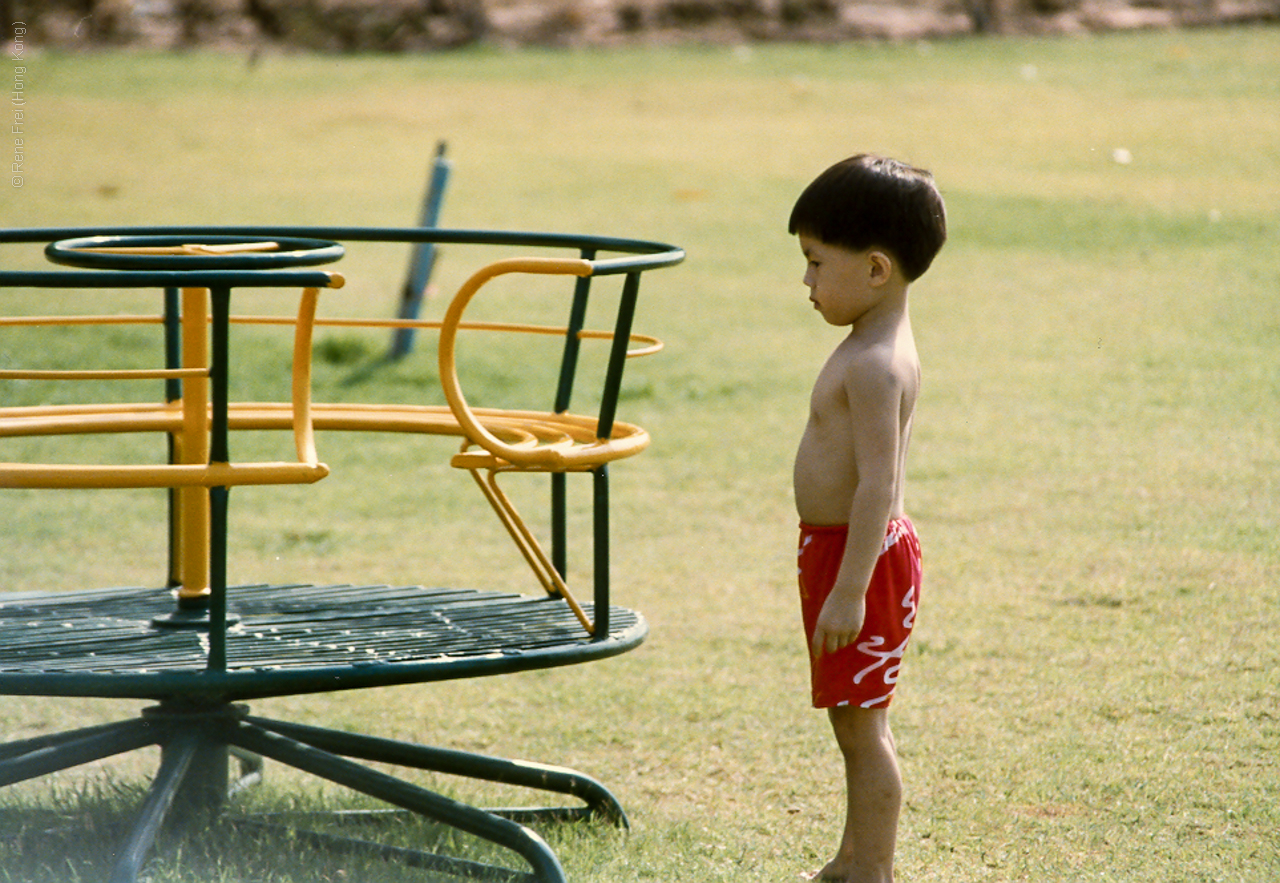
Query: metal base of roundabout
[
  {"x": 198, "y": 744},
  {"x": 203, "y": 726}
]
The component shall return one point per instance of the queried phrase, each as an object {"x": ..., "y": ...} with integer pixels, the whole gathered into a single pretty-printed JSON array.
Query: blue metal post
[{"x": 423, "y": 257}]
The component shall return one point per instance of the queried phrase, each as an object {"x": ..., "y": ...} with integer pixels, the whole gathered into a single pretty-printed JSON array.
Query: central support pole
[
  {"x": 202, "y": 731},
  {"x": 193, "y": 448}
]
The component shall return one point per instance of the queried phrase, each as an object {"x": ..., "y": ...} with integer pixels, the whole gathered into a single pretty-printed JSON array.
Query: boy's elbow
[
  {"x": 875, "y": 496},
  {"x": 881, "y": 487}
]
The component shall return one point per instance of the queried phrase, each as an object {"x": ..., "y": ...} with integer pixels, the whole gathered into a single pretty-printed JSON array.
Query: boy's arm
[{"x": 875, "y": 401}]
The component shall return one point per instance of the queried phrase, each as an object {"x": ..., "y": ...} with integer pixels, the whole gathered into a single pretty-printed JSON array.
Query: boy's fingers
[{"x": 824, "y": 642}]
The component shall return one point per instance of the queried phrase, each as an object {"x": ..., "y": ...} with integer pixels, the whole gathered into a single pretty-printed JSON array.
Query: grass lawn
[{"x": 1092, "y": 692}]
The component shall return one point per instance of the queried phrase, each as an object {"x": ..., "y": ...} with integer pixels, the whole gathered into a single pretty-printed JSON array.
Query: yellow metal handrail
[
  {"x": 188, "y": 420},
  {"x": 561, "y": 456}
]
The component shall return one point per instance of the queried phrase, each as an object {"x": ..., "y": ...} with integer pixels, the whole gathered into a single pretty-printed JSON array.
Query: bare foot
[{"x": 831, "y": 872}]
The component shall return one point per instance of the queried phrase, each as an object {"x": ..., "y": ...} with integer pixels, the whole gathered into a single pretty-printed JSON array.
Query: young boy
[{"x": 868, "y": 227}]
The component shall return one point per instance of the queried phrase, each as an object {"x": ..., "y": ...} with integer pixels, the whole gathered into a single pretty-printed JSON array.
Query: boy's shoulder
[
  {"x": 876, "y": 364},
  {"x": 885, "y": 352}
]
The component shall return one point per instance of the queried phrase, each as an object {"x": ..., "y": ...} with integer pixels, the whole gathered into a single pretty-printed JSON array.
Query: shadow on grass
[{"x": 73, "y": 836}]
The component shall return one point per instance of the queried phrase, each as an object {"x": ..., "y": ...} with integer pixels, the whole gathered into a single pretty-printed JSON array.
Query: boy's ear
[{"x": 879, "y": 267}]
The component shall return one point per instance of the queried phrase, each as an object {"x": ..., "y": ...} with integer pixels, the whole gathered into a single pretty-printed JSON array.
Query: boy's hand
[{"x": 838, "y": 623}]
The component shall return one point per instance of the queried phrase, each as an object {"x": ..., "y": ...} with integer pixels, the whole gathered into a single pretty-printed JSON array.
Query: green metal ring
[{"x": 291, "y": 251}]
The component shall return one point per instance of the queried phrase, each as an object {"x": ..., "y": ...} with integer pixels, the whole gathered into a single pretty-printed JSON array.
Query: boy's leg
[{"x": 875, "y": 796}]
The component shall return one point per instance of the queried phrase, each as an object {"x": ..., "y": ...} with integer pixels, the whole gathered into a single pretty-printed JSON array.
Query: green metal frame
[
  {"x": 199, "y": 723},
  {"x": 316, "y": 244},
  {"x": 100, "y": 252}
]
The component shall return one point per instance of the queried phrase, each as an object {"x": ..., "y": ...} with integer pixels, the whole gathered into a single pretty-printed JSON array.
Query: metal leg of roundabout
[{"x": 193, "y": 780}]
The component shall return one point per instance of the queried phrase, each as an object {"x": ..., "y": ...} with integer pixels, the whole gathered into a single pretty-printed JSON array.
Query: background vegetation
[{"x": 1092, "y": 692}]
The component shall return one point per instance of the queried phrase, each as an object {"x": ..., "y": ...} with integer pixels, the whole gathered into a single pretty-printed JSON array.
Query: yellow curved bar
[
  {"x": 545, "y": 457},
  {"x": 570, "y": 439},
  {"x": 304, "y": 436}
]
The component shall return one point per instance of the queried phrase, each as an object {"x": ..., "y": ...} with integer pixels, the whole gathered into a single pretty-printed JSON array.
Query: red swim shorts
[{"x": 865, "y": 672}]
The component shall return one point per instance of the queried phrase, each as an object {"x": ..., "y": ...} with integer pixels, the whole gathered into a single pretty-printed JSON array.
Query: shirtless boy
[{"x": 868, "y": 227}]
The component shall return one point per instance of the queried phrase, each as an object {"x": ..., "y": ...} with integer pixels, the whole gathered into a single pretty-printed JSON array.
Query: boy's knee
[{"x": 859, "y": 730}]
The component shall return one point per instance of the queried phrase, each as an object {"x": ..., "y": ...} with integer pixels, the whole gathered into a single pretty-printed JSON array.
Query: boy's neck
[{"x": 888, "y": 313}]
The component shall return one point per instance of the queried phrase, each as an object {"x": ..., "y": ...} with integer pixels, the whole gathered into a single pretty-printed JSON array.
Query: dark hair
[{"x": 867, "y": 201}]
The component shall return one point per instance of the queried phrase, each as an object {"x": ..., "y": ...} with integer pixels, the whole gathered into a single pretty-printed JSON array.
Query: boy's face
[{"x": 843, "y": 284}]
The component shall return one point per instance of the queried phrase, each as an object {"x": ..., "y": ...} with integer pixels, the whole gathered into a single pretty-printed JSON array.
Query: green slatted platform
[
  {"x": 289, "y": 640},
  {"x": 286, "y": 640}
]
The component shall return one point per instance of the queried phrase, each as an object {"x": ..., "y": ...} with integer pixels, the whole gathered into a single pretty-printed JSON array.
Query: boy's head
[{"x": 869, "y": 201}]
